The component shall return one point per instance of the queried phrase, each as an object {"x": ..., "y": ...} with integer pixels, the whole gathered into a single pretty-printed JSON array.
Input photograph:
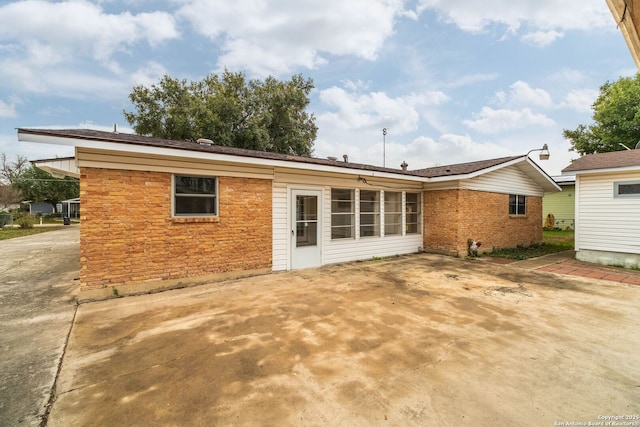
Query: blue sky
[{"x": 452, "y": 80}]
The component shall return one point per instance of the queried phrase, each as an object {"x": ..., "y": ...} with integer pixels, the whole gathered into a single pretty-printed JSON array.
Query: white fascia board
[
  {"x": 163, "y": 151},
  {"x": 608, "y": 170}
]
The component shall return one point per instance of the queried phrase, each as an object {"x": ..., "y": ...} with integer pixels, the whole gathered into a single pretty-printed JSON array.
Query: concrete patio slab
[{"x": 408, "y": 341}]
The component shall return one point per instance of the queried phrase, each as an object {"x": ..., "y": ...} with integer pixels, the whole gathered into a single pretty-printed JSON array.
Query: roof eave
[
  {"x": 28, "y": 136},
  {"x": 633, "y": 168},
  {"x": 626, "y": 21}
]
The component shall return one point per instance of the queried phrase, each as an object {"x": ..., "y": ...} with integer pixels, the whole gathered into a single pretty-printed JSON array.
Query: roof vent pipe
[
  {"x": 346, "y": 158},
  {"x": 404, "y": 166},
  {"x": 115, "y": 128}
]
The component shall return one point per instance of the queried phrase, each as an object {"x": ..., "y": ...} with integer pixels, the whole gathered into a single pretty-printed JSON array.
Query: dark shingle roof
[
  {"x": 132, "y": 139},
  {"x": 127, "y": 138},
  {"x": 463, "y": 168},
  {"x": 615, "y": 159}
]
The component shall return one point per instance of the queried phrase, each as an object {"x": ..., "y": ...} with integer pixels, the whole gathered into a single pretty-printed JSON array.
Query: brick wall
[
  {"x": 128, "y": 236},
  {"x": 453, "y": 216}
]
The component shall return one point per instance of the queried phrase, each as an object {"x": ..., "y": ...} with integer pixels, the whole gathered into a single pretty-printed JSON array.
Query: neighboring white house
[{"x": 608, "y": 208}]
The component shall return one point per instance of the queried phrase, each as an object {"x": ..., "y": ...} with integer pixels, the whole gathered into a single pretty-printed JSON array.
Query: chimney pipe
[
  {"x": 404, "y": 166},
  {"x": 346, "y": 158}
]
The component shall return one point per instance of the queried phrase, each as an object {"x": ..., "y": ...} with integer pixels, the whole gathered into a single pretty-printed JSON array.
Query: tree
[
  {"x": 10, "y": 170},
  {"x": 8, "y": 196},
  {"x": 39, "y": 186},
  {"x": 267, "y": 115},
  {"x": 616, "y": 119}
]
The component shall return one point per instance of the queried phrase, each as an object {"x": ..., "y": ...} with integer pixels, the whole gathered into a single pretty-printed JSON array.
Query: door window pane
[{"x": 306, "y": 220}]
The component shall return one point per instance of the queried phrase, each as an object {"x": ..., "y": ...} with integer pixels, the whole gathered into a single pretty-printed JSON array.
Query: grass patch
[
  {"x": 553, "y": 241},
  {"x": 11, "y": 233}
]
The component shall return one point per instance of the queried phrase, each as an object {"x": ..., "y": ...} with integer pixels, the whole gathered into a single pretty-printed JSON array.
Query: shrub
[{"x": 26, "y": 220}]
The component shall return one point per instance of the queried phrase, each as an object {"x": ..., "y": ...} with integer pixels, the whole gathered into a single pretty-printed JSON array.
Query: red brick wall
[
  {"x": 453, "y": 216},
  {"x": 128, "y": 236}
]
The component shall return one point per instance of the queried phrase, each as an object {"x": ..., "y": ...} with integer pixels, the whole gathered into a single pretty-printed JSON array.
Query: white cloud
[
  {"x": 49, "y": 33},
  {"x": 422, "y": 152},
  {"x": 7, "y": 110},
  {"x": 148, "y": 74},
  {"x": 542, "y": 38},
  {"x": 373, "y": 110},
  {"x": 476, "y": 16},
  {"x": 296, "y": 34},
  {"x": 492, "y": 121},
  {"x": 580, "y": 100},
  {"x": 472, "y": 79},
  {"x": 522, "y": 95}
]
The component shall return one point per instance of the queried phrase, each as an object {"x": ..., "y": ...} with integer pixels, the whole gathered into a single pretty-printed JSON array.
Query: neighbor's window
[
  {"x": 369, "y": 213},
  {"x": 412, "y": 212},
  {"x": 517, "y": 204},
  {"x": 343, "y": 219},
  {"x": 194, "y": 196},
  {"x": 626, "y": 189},
  {"x": 392, "y": 213}
]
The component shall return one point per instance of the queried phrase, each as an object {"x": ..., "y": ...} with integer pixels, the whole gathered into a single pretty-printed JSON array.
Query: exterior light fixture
[{"x": 544, "y": 152}]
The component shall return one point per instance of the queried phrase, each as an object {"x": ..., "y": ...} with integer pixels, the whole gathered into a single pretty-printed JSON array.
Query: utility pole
[{"x": 384, "y": 150}]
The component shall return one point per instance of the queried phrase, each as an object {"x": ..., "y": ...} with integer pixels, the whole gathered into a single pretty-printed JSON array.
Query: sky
[{"x": 452, "y": 81}]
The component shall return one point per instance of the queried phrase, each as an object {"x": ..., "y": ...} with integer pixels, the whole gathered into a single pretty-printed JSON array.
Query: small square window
[{"x": 194, "y": 196}]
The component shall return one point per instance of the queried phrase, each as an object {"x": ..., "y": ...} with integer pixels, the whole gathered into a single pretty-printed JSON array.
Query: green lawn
[
  {"x": 552, "y": 241},
  {"x": 10, "y": 233}
]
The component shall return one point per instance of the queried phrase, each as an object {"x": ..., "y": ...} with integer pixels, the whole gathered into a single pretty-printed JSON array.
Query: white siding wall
[
  {"x": 509, "y": 180},
  {"x": 604, "y": 222},
  {"x": 280, "y": 227},
  {"x": 339, "y": 250}
]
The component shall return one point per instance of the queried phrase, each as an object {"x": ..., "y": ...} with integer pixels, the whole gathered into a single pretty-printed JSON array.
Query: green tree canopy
[
  {"x": 39, "y": 186},
  {"x": 616, "y": 119},
  {"x": 267, "y": 115}
]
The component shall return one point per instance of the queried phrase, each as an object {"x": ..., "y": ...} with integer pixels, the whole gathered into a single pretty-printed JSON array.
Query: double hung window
[
  {"x": 195, "y": 196},
  {"x": 517, "y": 204}
]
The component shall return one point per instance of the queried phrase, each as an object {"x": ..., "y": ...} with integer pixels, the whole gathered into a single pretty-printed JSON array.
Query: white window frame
[
  {"x": 518, "y": 196},
  {"x": 616, "y": 189},
  {"x": 195, "y": 215},
  {"x": 393, "y": 214},
  {"x": 376, "y": 214},
  {"x": 352, "y": 214},
  {"x": 418, "y": 213}
]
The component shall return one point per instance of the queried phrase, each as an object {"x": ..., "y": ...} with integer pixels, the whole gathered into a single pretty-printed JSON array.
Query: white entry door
[{"x": 305, "y": 229}]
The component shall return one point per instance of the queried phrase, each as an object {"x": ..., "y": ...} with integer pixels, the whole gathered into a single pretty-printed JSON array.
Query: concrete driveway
[
  {"x": 37, "y": 305},
  {"x": 409, "y": 341}
]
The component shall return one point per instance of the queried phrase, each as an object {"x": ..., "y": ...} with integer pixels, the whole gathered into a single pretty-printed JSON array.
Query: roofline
[
  {"x": 53, "y": 160},
  {"x": 26, "y": 135},
  {"x": 546, "y": 175},
  {"x": 32, "y": 135},
  {"x": 524, "y": 158},
  {"x": 632, "y": 168}
]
